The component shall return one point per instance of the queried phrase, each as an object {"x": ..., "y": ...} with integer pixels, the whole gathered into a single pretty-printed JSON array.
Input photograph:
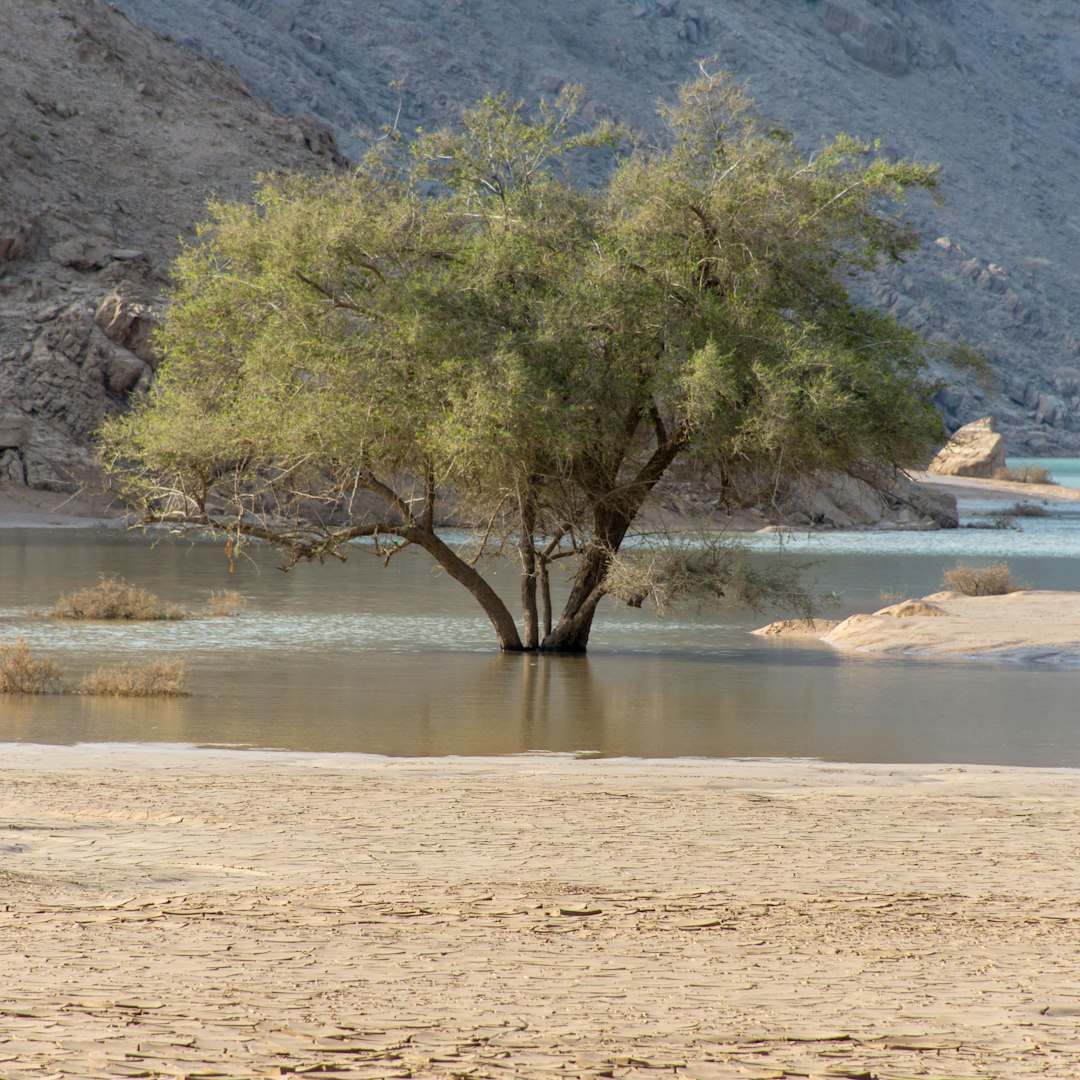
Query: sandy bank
[
  {"x": 964, "y": 488},
  {"x": 1024, "y": 625},
  {"x": 190, "y": 913},
  {"x": 28, "y": 508}
]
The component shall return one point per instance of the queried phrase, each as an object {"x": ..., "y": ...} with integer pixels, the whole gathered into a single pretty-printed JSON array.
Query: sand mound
[{"x": 1024, "y": 625}]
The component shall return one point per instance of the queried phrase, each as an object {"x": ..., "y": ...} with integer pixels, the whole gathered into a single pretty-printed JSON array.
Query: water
[
  {"x": 354, "y": 657},
  {"x": 1063, "y": 471}
]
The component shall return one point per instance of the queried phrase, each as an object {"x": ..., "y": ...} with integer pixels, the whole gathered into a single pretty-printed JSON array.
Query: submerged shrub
[
  {"x": 20, "y": 673},
  {"x": 224, "y": 602},
  {"x": 992, "y": 580},
  {"x": 1027, "y": 509},
  {"x": 115, "y": 598},
  {"x": 155, "y": 678}
]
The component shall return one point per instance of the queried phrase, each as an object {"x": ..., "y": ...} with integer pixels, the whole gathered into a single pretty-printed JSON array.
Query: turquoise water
[{"x": 1063, "y": 471}]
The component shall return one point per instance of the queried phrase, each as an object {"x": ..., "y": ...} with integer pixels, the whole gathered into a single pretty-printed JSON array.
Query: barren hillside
[
  {"x": 989, "y": 88},
  {"x": 111, "y": 139}
]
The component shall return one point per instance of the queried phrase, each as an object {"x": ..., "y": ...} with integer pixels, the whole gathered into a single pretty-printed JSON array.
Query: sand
[
  {"x": 1032, "y": 625},
  {"x": 29, "y": 508},
  {"x": 964, "y": 488},
  {"x": 204, "y": 913}
]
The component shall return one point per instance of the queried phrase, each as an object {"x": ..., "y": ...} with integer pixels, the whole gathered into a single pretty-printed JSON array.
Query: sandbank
[
  {"x": 965, "y": 488},
  {"x": 1040, "y": 625},
  {"x": 31, "y": 508},
  {"x": 172, "y": 912}
]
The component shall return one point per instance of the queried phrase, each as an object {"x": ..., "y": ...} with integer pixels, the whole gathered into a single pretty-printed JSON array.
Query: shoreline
[
  {"x": 30, "y": 508},
  {"x": 536, "y": 760},
  {"x": 196, "y": 912}
]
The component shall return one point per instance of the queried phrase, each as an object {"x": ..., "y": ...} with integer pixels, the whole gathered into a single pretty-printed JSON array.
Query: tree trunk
[
  {"x": 612, "y": 517},
  {"x": 529, "y": 560},
  {"x": 497, "y": 612},
  {"x": 571, "y": 633}
]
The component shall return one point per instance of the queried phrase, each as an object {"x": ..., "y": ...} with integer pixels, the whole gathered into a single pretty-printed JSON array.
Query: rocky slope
[
  {"x": 111, "y": 139},
  {"x": 986, "y": 87},
  {"x": 112, "y": 136}
]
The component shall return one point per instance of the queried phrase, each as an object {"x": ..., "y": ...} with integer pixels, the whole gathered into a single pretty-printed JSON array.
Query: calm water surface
[{"x": 354, "y": 657}]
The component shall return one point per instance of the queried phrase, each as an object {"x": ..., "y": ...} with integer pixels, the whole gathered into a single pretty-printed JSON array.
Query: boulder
[
  {"x": 839, "y": 501},
  {"x": 976, "y": 449}
]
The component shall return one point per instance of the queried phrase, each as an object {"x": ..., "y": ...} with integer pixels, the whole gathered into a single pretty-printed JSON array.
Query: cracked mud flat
[{"x": 182, "y": 913}]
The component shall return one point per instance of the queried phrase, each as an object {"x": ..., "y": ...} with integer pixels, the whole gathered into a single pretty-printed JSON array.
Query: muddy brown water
[{"x": 356, "y": 658}]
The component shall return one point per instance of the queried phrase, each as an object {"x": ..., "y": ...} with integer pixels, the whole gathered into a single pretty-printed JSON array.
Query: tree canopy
[{"x": 457, "y": 329}]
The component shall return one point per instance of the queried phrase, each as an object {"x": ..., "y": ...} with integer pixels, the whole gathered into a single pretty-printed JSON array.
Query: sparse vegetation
[
  {"x": 671, "y": 575},
  {"x": 224, "y": 602},
  {"x": 1026, "y": 510},
  {"x": 155, "y": 678},
  {"x": 992, "y": 580},
  {"x": 1025, "y": 474},
  {"x": 115, "y": 598},
  {"x": 21, "y": 673}
]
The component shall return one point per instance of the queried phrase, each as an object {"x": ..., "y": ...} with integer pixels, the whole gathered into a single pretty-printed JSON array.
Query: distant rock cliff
[
  {"x": 989, "y": 88},
  {"x": 111, "y": 139}
]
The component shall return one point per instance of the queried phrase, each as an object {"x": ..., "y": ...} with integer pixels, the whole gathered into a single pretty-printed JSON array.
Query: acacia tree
[{"x": 456, "y": 328}]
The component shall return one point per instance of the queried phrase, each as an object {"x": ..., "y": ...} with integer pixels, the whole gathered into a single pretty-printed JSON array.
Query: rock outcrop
[
  {"x": 111, "y": 141},
  {"x": 977, "y": 449}
]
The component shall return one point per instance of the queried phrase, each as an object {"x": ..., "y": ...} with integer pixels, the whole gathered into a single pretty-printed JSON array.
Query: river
[{"x": 354, "y": 657}]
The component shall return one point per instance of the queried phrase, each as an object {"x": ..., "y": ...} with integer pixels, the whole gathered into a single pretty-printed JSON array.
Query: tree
[{"x": 457, "y": 327}]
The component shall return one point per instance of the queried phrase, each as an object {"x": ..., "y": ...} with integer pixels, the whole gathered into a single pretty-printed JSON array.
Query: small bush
[
  {"x": 993, "y": 580},
  {"x": 1025, "y": 474},
  {"x": 224, "y": 602},
  {"x": 156, "y": 678},
  {"x": 1027, "y": 510},
  {"x": 20, "y": 673},
  {"x": 115, "y": 598}
]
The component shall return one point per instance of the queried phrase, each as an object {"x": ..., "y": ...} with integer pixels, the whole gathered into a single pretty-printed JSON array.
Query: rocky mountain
[
  {"x": 117, "y": 122},
  {"x": 988, "y": 88},
  {"x": 111, "y": 139}
]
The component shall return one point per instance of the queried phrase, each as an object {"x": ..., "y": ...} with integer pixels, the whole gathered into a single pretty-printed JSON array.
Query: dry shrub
[
  {"x": 677, "y": 574},
  {"x": 224, "y": 602},
  {"x": 1025, "y": 474},
  {"x": 20, "y": 673},
  {"x": 115, "y": 598},
  {"x": 1027, "y": 510},
  {"x": 156, "y": 678},
  {"x": 993, "y": 580}
]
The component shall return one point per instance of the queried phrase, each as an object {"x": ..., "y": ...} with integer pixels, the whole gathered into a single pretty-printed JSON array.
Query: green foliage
[{"x": 456, "y": 315}]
